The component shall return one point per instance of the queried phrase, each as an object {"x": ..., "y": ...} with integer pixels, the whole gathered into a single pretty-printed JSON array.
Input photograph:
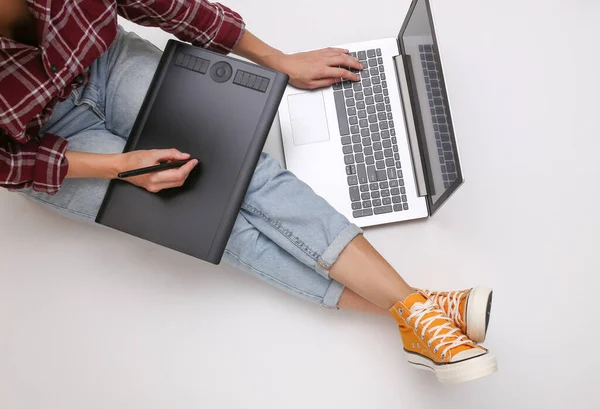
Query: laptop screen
[{"x": 430, "y": 105}]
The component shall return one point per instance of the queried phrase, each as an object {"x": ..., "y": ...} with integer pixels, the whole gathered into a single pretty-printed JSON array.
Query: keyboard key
[
  {"x": 364, "y": 132},
  {"x": 382, "y": 76},
  {"x": 375, "y": 194},
  {"x": 376, "y": 202},
  {"x": 348, "y": 159},
  {"x": 401, "y": 182},
  {"x": 388, "y": 108},
  {"x": 393, "y": 132},
  {"x": 346, "y": 140},
  {"x": 362, "y": 173},
  {"x": 357, "y": 148},
  {"x": 365, "y": 196},
  {"x": 350, "y": 170},
  {"x": 352, "y": 54},
  {"x": 381, "y": 116},
  {"x": 341, "y": 113},
  {"x": 366, "y": 203},
  {"x": 337, "y": 86},
  {"x": 390, "y": 162},
  {"x": 354, "y": 129},
  {"x": 368, "y": 91},
  {"x": 346, "y": 84},
  {"x": 372, "y": 118},
  {"x": 364, "y": 188},
  {"x": 395, "y": 191},
  {"x": 391, "y": 124},
  {"x": 380, "y": 60},
  {"x": 372, "y": 62},
  {"x": 377, "y": 146},
  {"x": 399, "y": 174},
  {"x": 374, "y": 127},
  {"x": 402, "y": 190},
  {"x": 354, "y": 193},
  {"x": 355, "y": 138},
  {"x": 396, "y": 156},
  {"x": 392, "y": 174},
  {"x": 348, "y": 93},
  {"x": 362, "y": 55},
  {"x": 352, "y": 180},
  {"x": 362, "y": 114},
  {"x": 396, "y": 199},
  {"x": 359, "y": 96},
  {"x": 378, "y": 52},
  {"x": 366, "y": 141},
  {"x": 376, "y": 80},
  {"x": 367, "y": 212},
  {"x": 378, "y": 98},
  {"x": 374, "y": 186},
  {"x": 364, "y": 73},
  {"x": 403, "y": 198},
  {"x": 360, "y": 104},
  {"x": 386, "y": 143},
  {"x": 372, "y": 173},
  {"x": 385, "y": 192},
  {"x": 386, "y": 201},
  {"x": 397, "y": 208},
  {"x": 383, "y": 83},
  {"x": 378, "y": 155},
  {"x": 380, "y": 165},
  {"x": 371, "y": 53},
  {"x": 368, "y": 150},
  {"x": 375, "y": 136},
  {"x": 366, "y": 82},
  {"x": 371, "y": 109},
  {"x": 369, "y": 160},
  {"x": 380, "y": 107},
  {"x": 356, "y": 205},
  {"x": 405, "y": 206},
  {"x": 370, "y": 101},
  {"x": 381, "y": 68},
  {"x": 374, "y": 71},
  {"x": 357, "y": 86},
  {"x": 377, "y": 89},
  {"x": 359, "y": 157},
  {"x": 399, "y": 166},
  {"x": 383, "y": 125},
  {"x": 383, "y": 209},
  {"x": 363, "y": 123},
  {"x": 385, "y": 134},
  {"x": 393, "y": 183},
  {"x": 381, "y": 175},
  {"x": 353, "y": 120},
  {"x": 346, "y": 149},
  {"x": 383, "y": 185},
  {"x": 387, "y": 100},
  {"x": 350, "y": 102},
  {"x": 388, "y": 153},
  {"x": 385, "y": 92}
]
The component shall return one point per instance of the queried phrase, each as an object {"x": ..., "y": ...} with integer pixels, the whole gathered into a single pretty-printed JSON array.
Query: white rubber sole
[
  {"x": 478, "y": 309},
  {"x": 459, "y": 372}
]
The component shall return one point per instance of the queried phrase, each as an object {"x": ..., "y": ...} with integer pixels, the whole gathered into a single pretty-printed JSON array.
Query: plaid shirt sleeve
[
  {"x": 40, "y": 164},
  {"x": 204, "y": 24}
]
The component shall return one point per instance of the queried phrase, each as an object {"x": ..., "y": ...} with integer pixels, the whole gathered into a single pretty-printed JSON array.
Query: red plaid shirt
[{"x": 71, "y": 35}]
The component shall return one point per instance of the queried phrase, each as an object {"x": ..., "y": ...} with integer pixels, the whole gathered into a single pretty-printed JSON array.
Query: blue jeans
[{"x": 284, "y": 234}]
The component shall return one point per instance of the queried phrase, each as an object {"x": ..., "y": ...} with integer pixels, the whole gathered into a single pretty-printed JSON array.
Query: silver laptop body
[{"x": 381, "y": 150}]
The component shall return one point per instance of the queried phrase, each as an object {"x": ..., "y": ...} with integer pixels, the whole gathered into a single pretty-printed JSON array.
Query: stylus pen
[{"x": 155, "y": 168}]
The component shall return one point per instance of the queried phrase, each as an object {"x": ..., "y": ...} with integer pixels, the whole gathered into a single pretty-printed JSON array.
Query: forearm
[
  {"x": 93, "y": 165},
  {"x": 254, "y": 49}
]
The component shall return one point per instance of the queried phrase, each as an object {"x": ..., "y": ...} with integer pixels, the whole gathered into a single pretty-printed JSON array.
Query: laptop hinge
[{"x": 402, "y": 62}]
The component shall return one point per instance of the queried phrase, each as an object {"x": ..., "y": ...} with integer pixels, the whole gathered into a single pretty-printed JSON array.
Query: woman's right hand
[{"x": 157, "y": 181}]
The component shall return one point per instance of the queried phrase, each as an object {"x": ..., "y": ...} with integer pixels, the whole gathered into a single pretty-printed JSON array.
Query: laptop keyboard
[
  {"x": 438, "y": 115},
  {"x": 369, "y": 145}
]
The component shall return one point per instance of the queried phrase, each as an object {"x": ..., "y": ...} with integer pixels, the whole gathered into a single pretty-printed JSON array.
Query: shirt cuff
[
  {"x": 229, "y": 33},
  {"x": 51, "y": 164}
]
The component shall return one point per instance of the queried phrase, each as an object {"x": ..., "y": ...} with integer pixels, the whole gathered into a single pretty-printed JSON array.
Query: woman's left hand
[{"x": 317, "y": 69}]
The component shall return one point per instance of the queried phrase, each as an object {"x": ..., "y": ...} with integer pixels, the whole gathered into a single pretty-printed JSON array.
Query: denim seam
[
  {"x": 285, "y": 232},
  {"x": 268, "y": 277},
  {"x": 37, "y": 199},
  {"x": 78, "y": 101}
]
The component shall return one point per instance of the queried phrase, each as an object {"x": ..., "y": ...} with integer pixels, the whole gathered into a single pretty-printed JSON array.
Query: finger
[
  {"x": 161, "y": 155},
  {"x": 345, "y": 61},
  {"x": 333, "y": 72},
  {"x": 336, "y": 50},
  {"x": 174, "y": 176},
  {"x": 324, "y": 83}
]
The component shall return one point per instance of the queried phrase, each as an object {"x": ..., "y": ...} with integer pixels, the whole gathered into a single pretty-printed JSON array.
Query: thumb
[{"x": 161, "y": 155}]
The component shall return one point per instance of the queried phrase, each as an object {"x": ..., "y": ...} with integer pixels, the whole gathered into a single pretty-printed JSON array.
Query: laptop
[
  {"x": 383, "y": 149},
  {"x": 219, "y": 110}
]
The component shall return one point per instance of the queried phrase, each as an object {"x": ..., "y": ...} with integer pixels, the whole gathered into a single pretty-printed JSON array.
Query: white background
[{"x": 90, "y": 318}]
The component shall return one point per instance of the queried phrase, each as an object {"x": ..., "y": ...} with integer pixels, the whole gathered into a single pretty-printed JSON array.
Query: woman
[{"x": 71, "y": 84}]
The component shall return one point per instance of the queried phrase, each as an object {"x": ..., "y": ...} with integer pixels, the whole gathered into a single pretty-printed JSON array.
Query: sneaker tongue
[{"x": 415, "y": 301}]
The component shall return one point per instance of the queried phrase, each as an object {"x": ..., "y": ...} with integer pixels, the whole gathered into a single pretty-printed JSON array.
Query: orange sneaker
[
  {"x": 433, "y": 342},
  {"x": 469, "y": 309}
]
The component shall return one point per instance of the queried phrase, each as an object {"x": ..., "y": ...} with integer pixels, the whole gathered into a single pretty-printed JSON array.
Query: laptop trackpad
[{"x": 307, "y": 114}]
